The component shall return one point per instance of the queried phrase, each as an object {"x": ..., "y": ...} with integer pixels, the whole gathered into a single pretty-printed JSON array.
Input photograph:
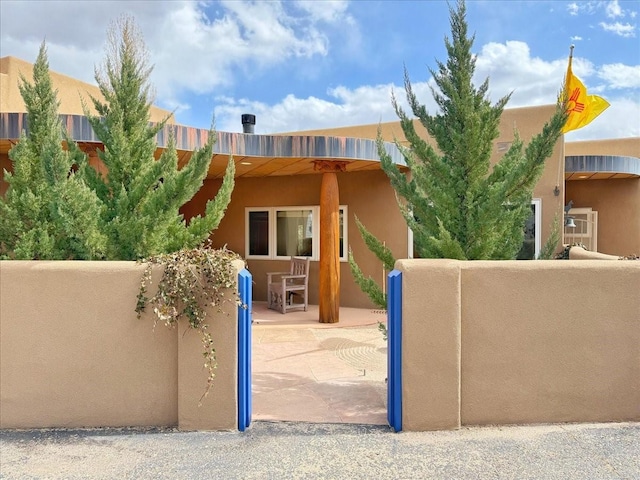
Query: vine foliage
[{"x": 192, "y": 281}]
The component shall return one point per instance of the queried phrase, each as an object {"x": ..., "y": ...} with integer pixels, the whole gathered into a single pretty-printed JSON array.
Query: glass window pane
[
  {"x": 294, "y": 233},
  {"x": 528, "y": 250},
  {"x": 259, "y": 233}
]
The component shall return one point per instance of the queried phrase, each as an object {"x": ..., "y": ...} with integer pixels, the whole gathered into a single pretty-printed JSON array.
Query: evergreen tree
[
  {"x": 142, "y": 196},
  {"x": 455, "y": 204},
  {"x": 47, "y": 212},
  {"x": 383, "y": 253}
]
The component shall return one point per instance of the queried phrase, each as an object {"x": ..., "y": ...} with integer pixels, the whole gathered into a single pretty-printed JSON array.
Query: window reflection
[
  {"x": 259, "y": 233},
  {"x": 294, "y": 235}
]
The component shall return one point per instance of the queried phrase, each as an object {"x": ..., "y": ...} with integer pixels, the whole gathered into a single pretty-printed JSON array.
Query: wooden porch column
[{"x": 329, "y": 301}]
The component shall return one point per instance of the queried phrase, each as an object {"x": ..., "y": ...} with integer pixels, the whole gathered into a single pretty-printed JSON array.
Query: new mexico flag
[{"x": 582, "y": 108}]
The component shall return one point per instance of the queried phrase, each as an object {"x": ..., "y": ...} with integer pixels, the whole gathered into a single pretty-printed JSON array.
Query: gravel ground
[{"x": 326, "y": 451}]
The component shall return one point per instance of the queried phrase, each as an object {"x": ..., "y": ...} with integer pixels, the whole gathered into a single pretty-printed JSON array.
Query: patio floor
[{"x": 327, "y": 373}]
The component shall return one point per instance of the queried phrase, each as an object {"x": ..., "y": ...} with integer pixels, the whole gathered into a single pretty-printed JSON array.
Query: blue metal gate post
[
  {"x": 244, "y": 350},
  {"x": 394, "y": 357}
]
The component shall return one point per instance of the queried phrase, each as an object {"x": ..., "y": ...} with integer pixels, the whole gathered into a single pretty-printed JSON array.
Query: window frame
[
  {"x": 537, "y": 202},
  {"x": 273, "y": 233},
  {"x": 248, "y": 210}
]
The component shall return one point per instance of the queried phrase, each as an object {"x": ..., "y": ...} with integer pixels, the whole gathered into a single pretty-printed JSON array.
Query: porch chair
[{"x": 284, "y": 287}]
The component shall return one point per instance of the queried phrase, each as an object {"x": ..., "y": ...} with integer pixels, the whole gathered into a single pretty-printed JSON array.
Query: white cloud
[
  {"x": 358, "y": 106},
  {"x": 576, "y": 38},
  {"x": 618, "y": 75},
  {"x": 195, "y": 46},
  {"x": 267, "y": 32},
  {"x": 586, "y": 7},
  {"x": 510, "y": 67},
  {"x": 613, "y": 9},
  {"x": 621, "y": 29},
  {"x": 294, "y": 114},
  {"x": 367, "y": 104},
  {"x": 74, "y": 32},
  {"x": 327, "y": 10},
  {"x": 249, "y": 36},
  {"x": 200, "y": 46}
]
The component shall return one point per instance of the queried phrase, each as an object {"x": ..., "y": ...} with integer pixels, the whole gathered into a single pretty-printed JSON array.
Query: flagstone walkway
[{"x": 307, "y": 371}]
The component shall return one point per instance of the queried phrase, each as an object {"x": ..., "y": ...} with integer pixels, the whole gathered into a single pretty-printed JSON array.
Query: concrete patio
[{"x": 307, "y": 371}]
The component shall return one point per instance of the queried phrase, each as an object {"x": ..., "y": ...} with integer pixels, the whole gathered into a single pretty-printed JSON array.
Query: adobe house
[
  {"x": 600, "y": 177},
  {"x": 275, "y": 208},
  {"x": 277, "y": 198}
]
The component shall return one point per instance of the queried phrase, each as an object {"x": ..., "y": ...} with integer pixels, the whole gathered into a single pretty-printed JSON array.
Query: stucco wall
[
  {"x": 519, "y": 342},
  {"x": 430, "y": 344},
  {"x": 71, "y": 91},
  {"x": 366, "y": 194},
  {"x": 73, "y": 353},
  {"x": 620, "y": 146}
]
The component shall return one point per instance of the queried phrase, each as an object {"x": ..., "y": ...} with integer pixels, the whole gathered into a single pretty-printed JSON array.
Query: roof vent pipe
[{"x": 248, "y": 122}]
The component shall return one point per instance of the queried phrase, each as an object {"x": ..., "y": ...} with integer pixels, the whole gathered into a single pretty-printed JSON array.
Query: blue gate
[
  {"x": 394, "y": 357},
  {"x": 244, "y": 350}
]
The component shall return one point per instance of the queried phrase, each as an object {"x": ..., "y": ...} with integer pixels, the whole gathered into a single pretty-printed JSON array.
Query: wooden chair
[{"x": 284, "y": 287}]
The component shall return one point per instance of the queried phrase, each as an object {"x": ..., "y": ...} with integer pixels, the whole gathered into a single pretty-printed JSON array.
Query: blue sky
[{"x": 313, "y": 64}]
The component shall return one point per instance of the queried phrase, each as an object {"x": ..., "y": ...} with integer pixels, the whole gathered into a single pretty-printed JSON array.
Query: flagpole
[{"x": 571, "y": 47}]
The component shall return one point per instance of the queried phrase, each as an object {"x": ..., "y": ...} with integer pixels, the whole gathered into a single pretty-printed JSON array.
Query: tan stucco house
[{"x": 274, "y": 211}]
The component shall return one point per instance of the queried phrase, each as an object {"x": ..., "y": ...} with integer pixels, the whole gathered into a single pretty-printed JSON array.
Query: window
[
  {"x": 532, "y": 233},
  {"x": 294, "y": 233},
  {"x": 258, "y": 238},
  {"x": 282, "y": 232}
]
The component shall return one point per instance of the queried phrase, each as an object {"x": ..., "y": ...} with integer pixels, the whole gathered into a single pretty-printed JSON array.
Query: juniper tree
[
  {"x": 47, "y": 212},
  {"x": 457, "y": 205},
  {"x": 142, "y": 196},
  {"x": 383, "y": 253}
]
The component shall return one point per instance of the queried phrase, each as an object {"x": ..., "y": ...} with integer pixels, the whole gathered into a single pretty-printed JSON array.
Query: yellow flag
[{"x": 582, "y": 108}]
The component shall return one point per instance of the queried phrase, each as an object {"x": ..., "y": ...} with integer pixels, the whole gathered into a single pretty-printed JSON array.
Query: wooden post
[{"x": 329, "y": 302}]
